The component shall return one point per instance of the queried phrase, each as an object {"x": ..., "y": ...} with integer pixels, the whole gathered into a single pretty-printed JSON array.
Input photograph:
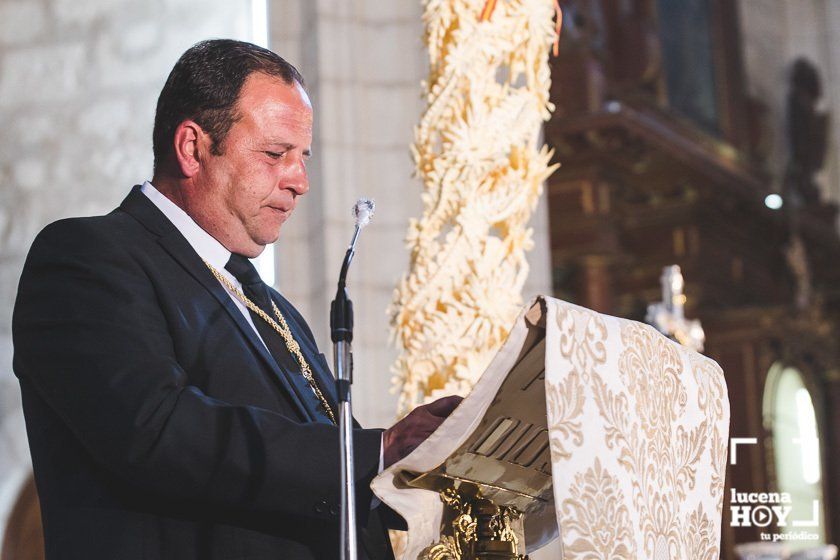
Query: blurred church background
[
  {"x": 682, "y": 126},
  {"x": 676, "y": 124}
]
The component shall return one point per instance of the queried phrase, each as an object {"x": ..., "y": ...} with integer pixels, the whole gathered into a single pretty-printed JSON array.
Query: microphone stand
[{"x": 341, "y": 332}]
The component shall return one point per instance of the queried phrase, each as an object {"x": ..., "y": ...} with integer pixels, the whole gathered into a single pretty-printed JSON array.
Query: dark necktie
[{"x": 257, "y": 291}]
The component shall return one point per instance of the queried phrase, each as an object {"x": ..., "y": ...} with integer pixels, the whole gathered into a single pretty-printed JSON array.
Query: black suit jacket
[{"x": 159, "y": 425}]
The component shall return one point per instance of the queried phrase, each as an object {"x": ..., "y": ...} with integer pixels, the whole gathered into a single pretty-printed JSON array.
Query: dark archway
[{"x": 23, "y": 537}]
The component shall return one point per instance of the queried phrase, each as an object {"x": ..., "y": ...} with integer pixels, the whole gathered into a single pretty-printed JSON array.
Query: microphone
[
  {"x": 341, "y": 310},
  {"x": 363, "y": 211},
  {"x": 341, "y": 332}
]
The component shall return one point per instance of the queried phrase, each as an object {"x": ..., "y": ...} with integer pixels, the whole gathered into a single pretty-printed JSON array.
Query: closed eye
[{"x": 275, "y": 155}]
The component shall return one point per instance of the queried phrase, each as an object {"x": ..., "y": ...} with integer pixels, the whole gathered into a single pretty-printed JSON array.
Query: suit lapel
[{"x": 139, "y": 206}]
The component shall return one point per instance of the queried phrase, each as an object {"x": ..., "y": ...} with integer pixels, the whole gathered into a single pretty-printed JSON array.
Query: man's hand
[{"x": 403, "y": 437}]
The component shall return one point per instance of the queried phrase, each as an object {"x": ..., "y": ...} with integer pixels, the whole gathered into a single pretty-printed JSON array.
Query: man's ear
[{"x": 188, "y": 153}]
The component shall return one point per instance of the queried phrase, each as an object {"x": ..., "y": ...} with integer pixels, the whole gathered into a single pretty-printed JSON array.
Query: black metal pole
[{"x": 341, "y": 332}]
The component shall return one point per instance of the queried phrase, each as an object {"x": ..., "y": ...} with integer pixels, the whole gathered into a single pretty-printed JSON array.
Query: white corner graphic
[{"x": 733, "y": 447}]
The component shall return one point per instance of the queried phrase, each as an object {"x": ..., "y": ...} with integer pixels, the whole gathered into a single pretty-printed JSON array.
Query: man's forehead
[
  {"x": 261, "y": 87},
  {"x": 272, "y": 110}
]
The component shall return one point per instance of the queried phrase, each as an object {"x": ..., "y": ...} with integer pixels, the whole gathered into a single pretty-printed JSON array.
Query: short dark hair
[{"x": 204, "y": 86}]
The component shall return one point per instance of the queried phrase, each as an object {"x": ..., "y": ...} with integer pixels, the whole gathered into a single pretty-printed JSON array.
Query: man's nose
[{"x": 298, "y": 180}]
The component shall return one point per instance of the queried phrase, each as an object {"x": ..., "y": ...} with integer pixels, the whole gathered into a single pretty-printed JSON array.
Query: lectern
[{"x": 593, "y": 429}]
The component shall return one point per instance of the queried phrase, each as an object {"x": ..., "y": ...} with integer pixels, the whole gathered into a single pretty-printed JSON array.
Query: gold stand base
[{"x": 475, "y": 528}]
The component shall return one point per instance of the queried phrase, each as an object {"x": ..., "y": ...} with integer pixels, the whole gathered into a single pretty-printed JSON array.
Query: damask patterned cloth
[{"x": 638, "y": 430}]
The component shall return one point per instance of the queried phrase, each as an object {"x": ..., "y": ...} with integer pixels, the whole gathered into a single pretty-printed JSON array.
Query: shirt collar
[{"x": 207, "y": 246}]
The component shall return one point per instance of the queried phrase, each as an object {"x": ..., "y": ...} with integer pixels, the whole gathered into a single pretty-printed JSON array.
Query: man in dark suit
[{"x": 177, "y": 407}]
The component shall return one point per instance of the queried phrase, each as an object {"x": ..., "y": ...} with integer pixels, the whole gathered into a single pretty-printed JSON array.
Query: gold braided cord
[
  {"x": 477, "y": 150},
  {"x": 283, "y": 330}
]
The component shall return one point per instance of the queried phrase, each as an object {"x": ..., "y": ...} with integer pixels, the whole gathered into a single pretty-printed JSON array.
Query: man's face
[{"x": 244, "y": 195}]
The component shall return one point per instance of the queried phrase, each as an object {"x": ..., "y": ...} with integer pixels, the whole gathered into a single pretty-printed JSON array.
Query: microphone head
[{"x": 363, "y": 211}]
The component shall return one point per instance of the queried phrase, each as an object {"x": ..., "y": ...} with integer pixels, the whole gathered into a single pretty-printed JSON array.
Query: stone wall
[{"x": 79, "y": 80}]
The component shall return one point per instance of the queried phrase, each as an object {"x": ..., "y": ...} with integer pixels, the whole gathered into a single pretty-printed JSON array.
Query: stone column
[{"x": 363, "y": 62}]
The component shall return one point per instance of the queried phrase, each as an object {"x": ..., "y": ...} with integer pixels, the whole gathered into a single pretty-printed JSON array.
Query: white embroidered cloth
[{"x": 637, "y": 428}]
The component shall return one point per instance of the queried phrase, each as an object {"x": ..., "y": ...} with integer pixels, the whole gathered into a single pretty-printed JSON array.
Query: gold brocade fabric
[{"x": 638, "y": 428}]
